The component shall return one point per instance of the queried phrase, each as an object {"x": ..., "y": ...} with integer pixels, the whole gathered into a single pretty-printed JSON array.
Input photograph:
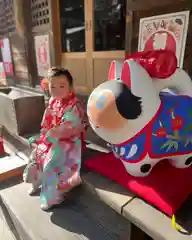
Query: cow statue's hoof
[
  {"x": 138, "y": 170},
  {"x": 182, "y": 161}
]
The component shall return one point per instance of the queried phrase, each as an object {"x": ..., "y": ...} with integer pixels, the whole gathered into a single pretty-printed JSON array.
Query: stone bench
[{"x": 21, "y": 111}]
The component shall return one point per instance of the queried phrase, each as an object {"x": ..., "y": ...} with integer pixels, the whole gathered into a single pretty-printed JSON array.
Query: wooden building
[
  {"x": 14, "y": 25},
  {"x": 85, "y": 35}
]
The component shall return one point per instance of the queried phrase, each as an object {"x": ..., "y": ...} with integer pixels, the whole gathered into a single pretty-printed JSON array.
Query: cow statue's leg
[
  {"x": 183, "y": 161},
  {"x": 142, "y": 168}
]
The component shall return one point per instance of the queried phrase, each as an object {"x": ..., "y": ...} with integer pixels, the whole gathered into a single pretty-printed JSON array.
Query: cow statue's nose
[{"x": 102, "y": 112}]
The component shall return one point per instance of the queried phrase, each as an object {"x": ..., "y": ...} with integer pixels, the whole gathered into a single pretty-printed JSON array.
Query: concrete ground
[
  {"x": 73, "y": 220},
  {"x": 5, "y": 232}
]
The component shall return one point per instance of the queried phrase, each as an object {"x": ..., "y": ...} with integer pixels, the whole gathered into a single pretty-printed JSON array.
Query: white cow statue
[{"x": 143, "y": 123}]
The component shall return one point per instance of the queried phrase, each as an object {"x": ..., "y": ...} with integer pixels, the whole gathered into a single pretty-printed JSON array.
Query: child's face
[{"x": 59, "y": 87}]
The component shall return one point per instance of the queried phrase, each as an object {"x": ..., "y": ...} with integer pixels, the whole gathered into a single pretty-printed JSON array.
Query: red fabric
[
  {"x": 159, "y": 64},
  {"x": 166, "y": 187},
  {"x": 2, "y": 150},
  {"x": 83, "y": 142},
  {"x": 65, "y": 105}
]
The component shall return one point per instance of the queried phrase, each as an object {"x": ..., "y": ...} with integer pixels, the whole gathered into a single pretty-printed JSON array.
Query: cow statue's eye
[{"x": 101, "y": 102}]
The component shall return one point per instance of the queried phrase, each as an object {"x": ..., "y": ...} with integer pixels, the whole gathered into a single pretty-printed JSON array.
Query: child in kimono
[{"x": 55, "y": 162}]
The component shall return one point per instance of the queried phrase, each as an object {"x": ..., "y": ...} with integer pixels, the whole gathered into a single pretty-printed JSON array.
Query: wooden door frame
[
  {"x": 60, "y": 55},
  {"x": 89, "y": 43},
  {"x": 89, "y": 55},
  {"x": 89, "y": 19},
  {"x": 103, "y": 54}
]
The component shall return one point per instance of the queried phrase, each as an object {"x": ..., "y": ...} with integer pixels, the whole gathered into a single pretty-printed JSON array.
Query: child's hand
[{"x": 33, "y": 141}]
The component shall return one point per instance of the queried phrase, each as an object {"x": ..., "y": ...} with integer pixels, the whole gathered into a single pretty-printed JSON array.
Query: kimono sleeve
[
  {"x": 46, "y": 121},
  {"x": 71, "y": 125}
]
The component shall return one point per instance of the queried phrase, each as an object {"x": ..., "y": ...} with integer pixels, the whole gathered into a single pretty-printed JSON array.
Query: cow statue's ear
[
  {"x": 126, "y": 74},
  {"x": 128, "y": 105},
  {"x": 115, "y": 70}
]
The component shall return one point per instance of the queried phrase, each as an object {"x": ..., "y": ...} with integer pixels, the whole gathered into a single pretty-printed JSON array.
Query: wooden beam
[
  {"x": 23, "y": 44},
  {"x": 139, "y": 5},
  {"x": 128, "y": 27},
  {"x": 29, "y": 43},
  {"x": 56, "y": 31}
]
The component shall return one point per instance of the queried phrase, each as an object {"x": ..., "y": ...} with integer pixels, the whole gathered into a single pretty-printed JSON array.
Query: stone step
[
  {"x": 5, "y": 232},
  {"x": 82, "y": 216},
  {"x": 89, "y": 204},
  {"x": 11, "y": 166}
]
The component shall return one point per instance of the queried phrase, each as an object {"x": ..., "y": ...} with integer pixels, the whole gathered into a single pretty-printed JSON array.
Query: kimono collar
[{"x": 71, "y": 100}]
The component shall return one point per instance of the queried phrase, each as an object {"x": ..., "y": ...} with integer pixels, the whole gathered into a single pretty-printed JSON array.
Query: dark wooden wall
[
  {"x": 21, "y": 21},
  {"x": 137, "y": 9},
  {"x": 44, "y": 14},
  {"x": 15, "y": 24},
  {"x": 21, "y": 44}
]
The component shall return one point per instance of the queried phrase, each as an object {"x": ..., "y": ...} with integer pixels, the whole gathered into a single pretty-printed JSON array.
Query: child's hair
[{"x": 57, "y": 72}]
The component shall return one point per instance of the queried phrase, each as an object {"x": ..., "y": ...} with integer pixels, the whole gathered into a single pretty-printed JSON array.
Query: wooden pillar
[
  {"x": 29, "y": 43},
  {"x": 55, "y": 26},
  {"x": 22, "y": 44},
  {"x": 128, "y": 28}
]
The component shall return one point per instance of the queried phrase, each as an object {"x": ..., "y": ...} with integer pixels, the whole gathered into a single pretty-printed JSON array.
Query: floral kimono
[{"x": 55, "y": 162}]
